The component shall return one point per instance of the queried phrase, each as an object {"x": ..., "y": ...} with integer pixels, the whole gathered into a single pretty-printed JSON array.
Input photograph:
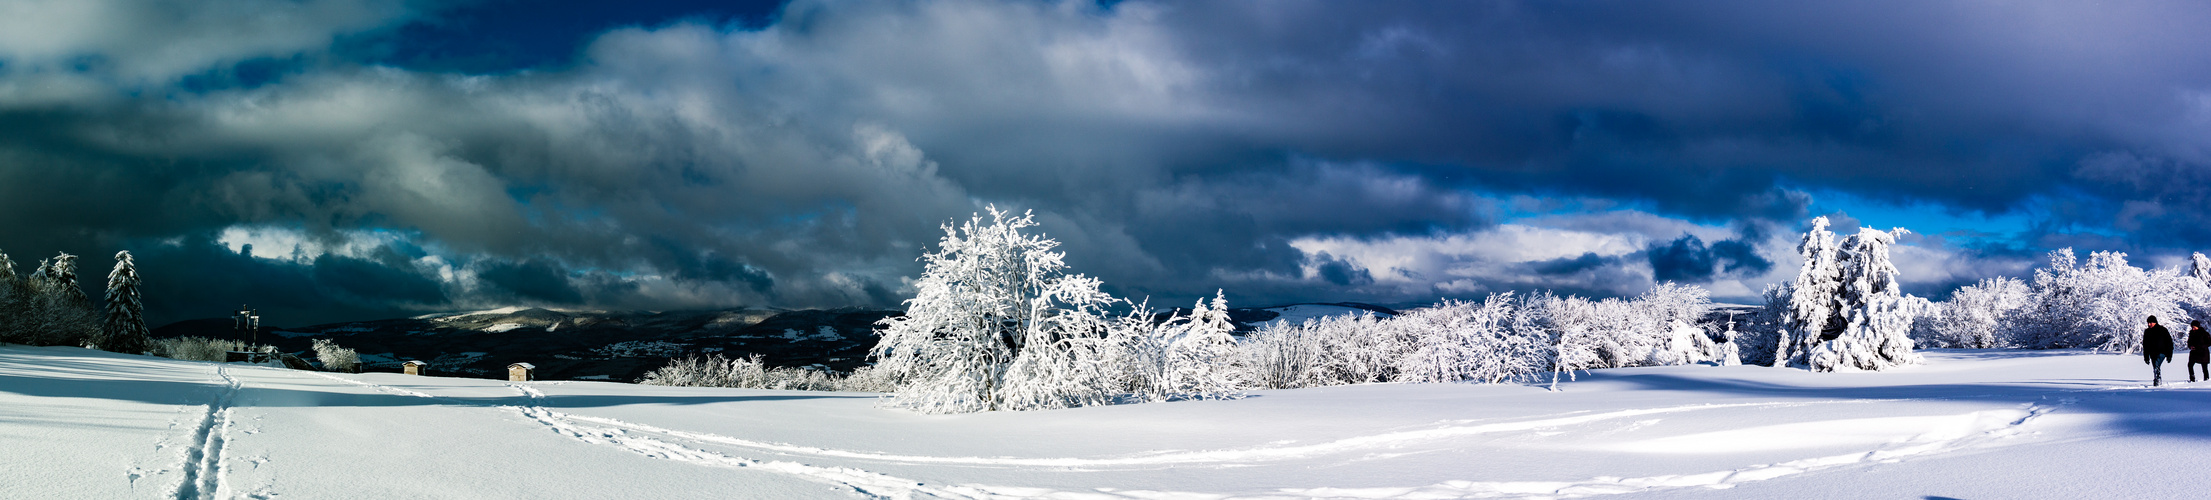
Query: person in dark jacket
[
  {"x": 2199, "y": 350},
  {"x": 2157, "y": 348}
]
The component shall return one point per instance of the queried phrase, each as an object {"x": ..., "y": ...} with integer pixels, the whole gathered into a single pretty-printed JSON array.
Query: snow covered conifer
[
  {"x": 61, "y": 280},
  {"x": 125, "y": 328},
  {"x": 1876, "y": 316},
  {"x": 1811, "y": 297},
  {"x": 1198, "y": 353}
]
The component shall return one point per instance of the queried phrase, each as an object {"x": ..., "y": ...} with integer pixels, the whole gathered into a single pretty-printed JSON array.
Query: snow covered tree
[
  {"x": 1666, "y": 315},
  {"x": 2101, "y": 303},
  {"x": 2200, "y": 268},
  {"x": 1198, "y": 355},
  {"x": 996, "y": 323},
  {"x": 1977, "y": 315},
  {"x": 125, "y": 328},
  {"x": 59, "y": 313},
  {"x": 1570, "y": 326},
  {"x": 1875, "y": 332},
  {"x": 1844, "y": 309},
  {"x": 1811, "y": 297},
  {"x": 1182, "y": 357}
]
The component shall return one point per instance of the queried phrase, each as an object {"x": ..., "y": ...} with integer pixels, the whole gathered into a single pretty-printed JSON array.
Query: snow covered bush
[
  {"x": 866, "y": 379},
  {"x": 1489, "y": 342},
  {"x": 748, "y": 373},
  {"x": 1503, "y": 338},
  {"x": 196, "y": 348},
  {"x": 336, "y": 358},
  {"x": 1845, "y": 309}
]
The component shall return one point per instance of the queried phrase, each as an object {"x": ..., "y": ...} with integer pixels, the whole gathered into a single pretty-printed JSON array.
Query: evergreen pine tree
[{"x": 125, "y": 329}]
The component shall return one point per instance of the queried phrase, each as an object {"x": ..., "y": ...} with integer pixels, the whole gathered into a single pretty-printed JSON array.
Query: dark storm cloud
[
  {"x": 1336, "y": 271},
  {"x": 803, "y": 158},
  {"x": 533, "y": 280},
  {"x": 1587, "y": 261},
  {"x": 1688, "y": 260}
]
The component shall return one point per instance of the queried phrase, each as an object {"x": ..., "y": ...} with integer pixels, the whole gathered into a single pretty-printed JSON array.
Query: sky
[{"x": 338, "y": 160}]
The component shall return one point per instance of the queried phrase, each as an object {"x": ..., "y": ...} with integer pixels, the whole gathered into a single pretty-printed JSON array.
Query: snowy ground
[{"x": 1970, "y": 424}]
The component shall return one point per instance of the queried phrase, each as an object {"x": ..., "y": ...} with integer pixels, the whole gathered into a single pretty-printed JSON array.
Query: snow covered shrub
[
  {"x": 748, "y": 373},
  {"x": 2103, "y": 304},
  {"x": 1491, "y": 341},
  {"x": 1844, "y": 309},
  {"x": 996, "y": 323},
  {"x": 1503, "y": 338},
  {"x": 196, "y": 348},
  {"x": 1276, "y": 357},
  {"x": 866, "y": 379},
  {"x": 1976, "y": 314},
  {"x": 335, "y": 358},
  {"x": 703, "y": 371}
]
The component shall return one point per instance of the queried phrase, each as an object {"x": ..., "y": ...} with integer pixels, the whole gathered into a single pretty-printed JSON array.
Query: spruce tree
[{"x": 125, "y": 329}]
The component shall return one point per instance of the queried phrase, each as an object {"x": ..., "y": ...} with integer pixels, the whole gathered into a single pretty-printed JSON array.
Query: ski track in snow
[
  {"x": 203, "y": 458},
  {"x": 1230, "y": 456},
  {"x": 1958, "y": 432}
]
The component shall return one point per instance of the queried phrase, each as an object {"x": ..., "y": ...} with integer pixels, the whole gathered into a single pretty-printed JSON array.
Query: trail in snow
[
  {"x": 1947, "y": 433},
  {"x": 1255, "y": 454},
  {"x": 1981, "y": 428},
  {"x": 203, "y": 460}
]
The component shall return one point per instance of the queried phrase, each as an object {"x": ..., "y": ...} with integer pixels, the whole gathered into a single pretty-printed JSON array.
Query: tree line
[{"x": 999, "y": 323}]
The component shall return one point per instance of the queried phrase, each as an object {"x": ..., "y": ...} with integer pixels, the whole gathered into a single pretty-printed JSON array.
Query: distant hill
[
  {"x": 623, "y": 345},
  {"x": 567, "y": 344}
]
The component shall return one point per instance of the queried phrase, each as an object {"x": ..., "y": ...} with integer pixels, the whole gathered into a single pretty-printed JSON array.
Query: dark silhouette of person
[
  {"x": 2199, "y": 350},
  {"x": 2157, "y": 349}
]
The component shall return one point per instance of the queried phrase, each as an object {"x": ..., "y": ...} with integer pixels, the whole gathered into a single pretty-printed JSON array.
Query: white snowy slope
[
  {"x": 78, "y": 423},
  {"x": 1298, "y": 313}
]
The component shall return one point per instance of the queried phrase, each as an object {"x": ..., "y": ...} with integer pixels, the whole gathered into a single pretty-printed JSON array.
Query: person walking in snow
[
  {"x": 2157, "y": 348},
  {"x": 2199, "y": 350}
]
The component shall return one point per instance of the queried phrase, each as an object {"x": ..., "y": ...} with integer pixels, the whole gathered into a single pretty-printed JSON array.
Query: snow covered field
[{"x": 79, "y": 423}]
